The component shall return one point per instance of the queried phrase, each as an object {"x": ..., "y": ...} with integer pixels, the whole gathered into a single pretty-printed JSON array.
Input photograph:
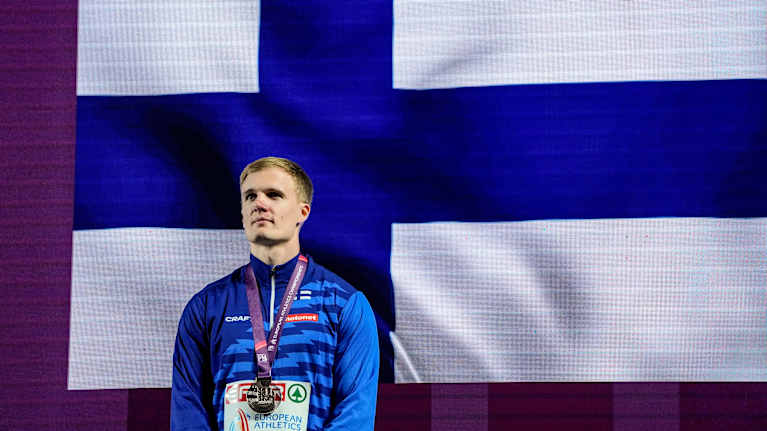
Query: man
[{"x": 315, "y": 365}]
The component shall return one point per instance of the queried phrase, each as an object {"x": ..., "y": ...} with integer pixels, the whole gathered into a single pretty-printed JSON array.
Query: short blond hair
[{"x": 304, "y": 187}]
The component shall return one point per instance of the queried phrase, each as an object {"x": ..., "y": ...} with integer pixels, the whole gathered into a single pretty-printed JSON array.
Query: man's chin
[{"x": 266, "y": 241}]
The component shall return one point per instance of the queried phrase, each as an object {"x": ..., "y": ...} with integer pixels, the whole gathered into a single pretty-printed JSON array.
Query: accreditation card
[{"x": 291, "y": 413}]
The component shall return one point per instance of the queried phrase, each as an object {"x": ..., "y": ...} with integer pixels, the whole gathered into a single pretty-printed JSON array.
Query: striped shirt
[{"x": 330, "y": 340}]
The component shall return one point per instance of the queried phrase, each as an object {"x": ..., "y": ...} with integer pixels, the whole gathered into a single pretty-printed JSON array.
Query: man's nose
[{"x": 260, "y": 203}]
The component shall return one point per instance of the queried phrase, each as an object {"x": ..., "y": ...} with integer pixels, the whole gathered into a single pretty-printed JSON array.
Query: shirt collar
[{"x": 263, "y": 272}]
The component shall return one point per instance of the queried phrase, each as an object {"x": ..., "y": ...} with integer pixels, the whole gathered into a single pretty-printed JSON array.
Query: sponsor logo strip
[
  {"x": 303, "y": 317},
  {"x": 237, "y": 392}
]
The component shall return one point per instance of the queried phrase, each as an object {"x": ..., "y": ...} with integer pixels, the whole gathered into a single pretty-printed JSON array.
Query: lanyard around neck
[{"x": 266, "y": 349}]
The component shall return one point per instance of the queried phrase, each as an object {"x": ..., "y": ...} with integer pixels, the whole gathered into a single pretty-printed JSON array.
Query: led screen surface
[{"x": 438, "y": 135}]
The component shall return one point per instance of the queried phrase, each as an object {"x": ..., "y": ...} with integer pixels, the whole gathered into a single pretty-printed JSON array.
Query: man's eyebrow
[
  {"x": 266, "y": 190},
  {"x": 272, "y": 189}
]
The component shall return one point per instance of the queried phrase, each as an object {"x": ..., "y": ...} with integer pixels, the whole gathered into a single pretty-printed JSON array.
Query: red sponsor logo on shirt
[
  {"x": 236, "y": 392},
  {"x": 303, "y": 317}
]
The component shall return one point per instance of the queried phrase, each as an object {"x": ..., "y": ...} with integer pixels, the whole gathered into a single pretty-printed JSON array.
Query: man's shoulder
[
  {"x": 331, "y": 282},
  {"x": 223, "y": 285}
]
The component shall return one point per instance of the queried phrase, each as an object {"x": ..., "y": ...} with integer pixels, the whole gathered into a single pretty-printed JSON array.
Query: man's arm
[
  {"x": 355, "y": 372},
  {"x": 190, "y": 400}
]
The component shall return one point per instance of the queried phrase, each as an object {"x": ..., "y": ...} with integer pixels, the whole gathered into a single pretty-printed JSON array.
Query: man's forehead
[{"x": 268, "y": 179}]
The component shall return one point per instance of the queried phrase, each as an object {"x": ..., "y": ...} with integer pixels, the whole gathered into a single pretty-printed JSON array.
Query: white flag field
[{"x": 597, "y": 300}]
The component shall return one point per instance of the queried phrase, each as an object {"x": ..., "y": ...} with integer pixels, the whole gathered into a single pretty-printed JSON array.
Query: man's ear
[{"x": 304, "y": 214}]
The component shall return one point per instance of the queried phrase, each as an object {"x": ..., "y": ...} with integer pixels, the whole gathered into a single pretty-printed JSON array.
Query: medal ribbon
[{"x": 266, "y": 349}]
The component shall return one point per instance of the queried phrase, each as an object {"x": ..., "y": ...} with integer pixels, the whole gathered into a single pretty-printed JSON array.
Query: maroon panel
[
  {"x": 404, "y": 407},
  {"x": 37, "y": 138},
  {"x": 723, "y": 406},
  {"x": 458, "y": 407},
  {"x": 645, "y": 406},
  {"x": 148, "y": 409},
  {"x": 550, "y": 406}
]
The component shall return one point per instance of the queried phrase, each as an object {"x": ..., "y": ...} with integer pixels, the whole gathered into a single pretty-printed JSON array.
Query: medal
[{"x": 262, "y": 398}]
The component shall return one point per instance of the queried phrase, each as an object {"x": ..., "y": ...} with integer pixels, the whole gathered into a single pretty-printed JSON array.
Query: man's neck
[{"x": 276, "y": 254}]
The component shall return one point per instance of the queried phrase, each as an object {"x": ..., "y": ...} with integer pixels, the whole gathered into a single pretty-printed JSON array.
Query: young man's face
[{"x": 271, "y": 210}]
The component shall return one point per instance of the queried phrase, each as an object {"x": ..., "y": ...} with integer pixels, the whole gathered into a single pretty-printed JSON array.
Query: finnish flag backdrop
[{"x": 524, "y": 190}]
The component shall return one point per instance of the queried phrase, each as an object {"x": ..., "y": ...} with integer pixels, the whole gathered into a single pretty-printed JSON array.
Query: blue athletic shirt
[{"x": 337, "y": 354}]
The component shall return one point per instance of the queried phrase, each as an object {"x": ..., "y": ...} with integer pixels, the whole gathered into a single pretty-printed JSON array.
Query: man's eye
[
  {"x": 274, "y": 195},
  {"x": 250, "y": 196}
]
